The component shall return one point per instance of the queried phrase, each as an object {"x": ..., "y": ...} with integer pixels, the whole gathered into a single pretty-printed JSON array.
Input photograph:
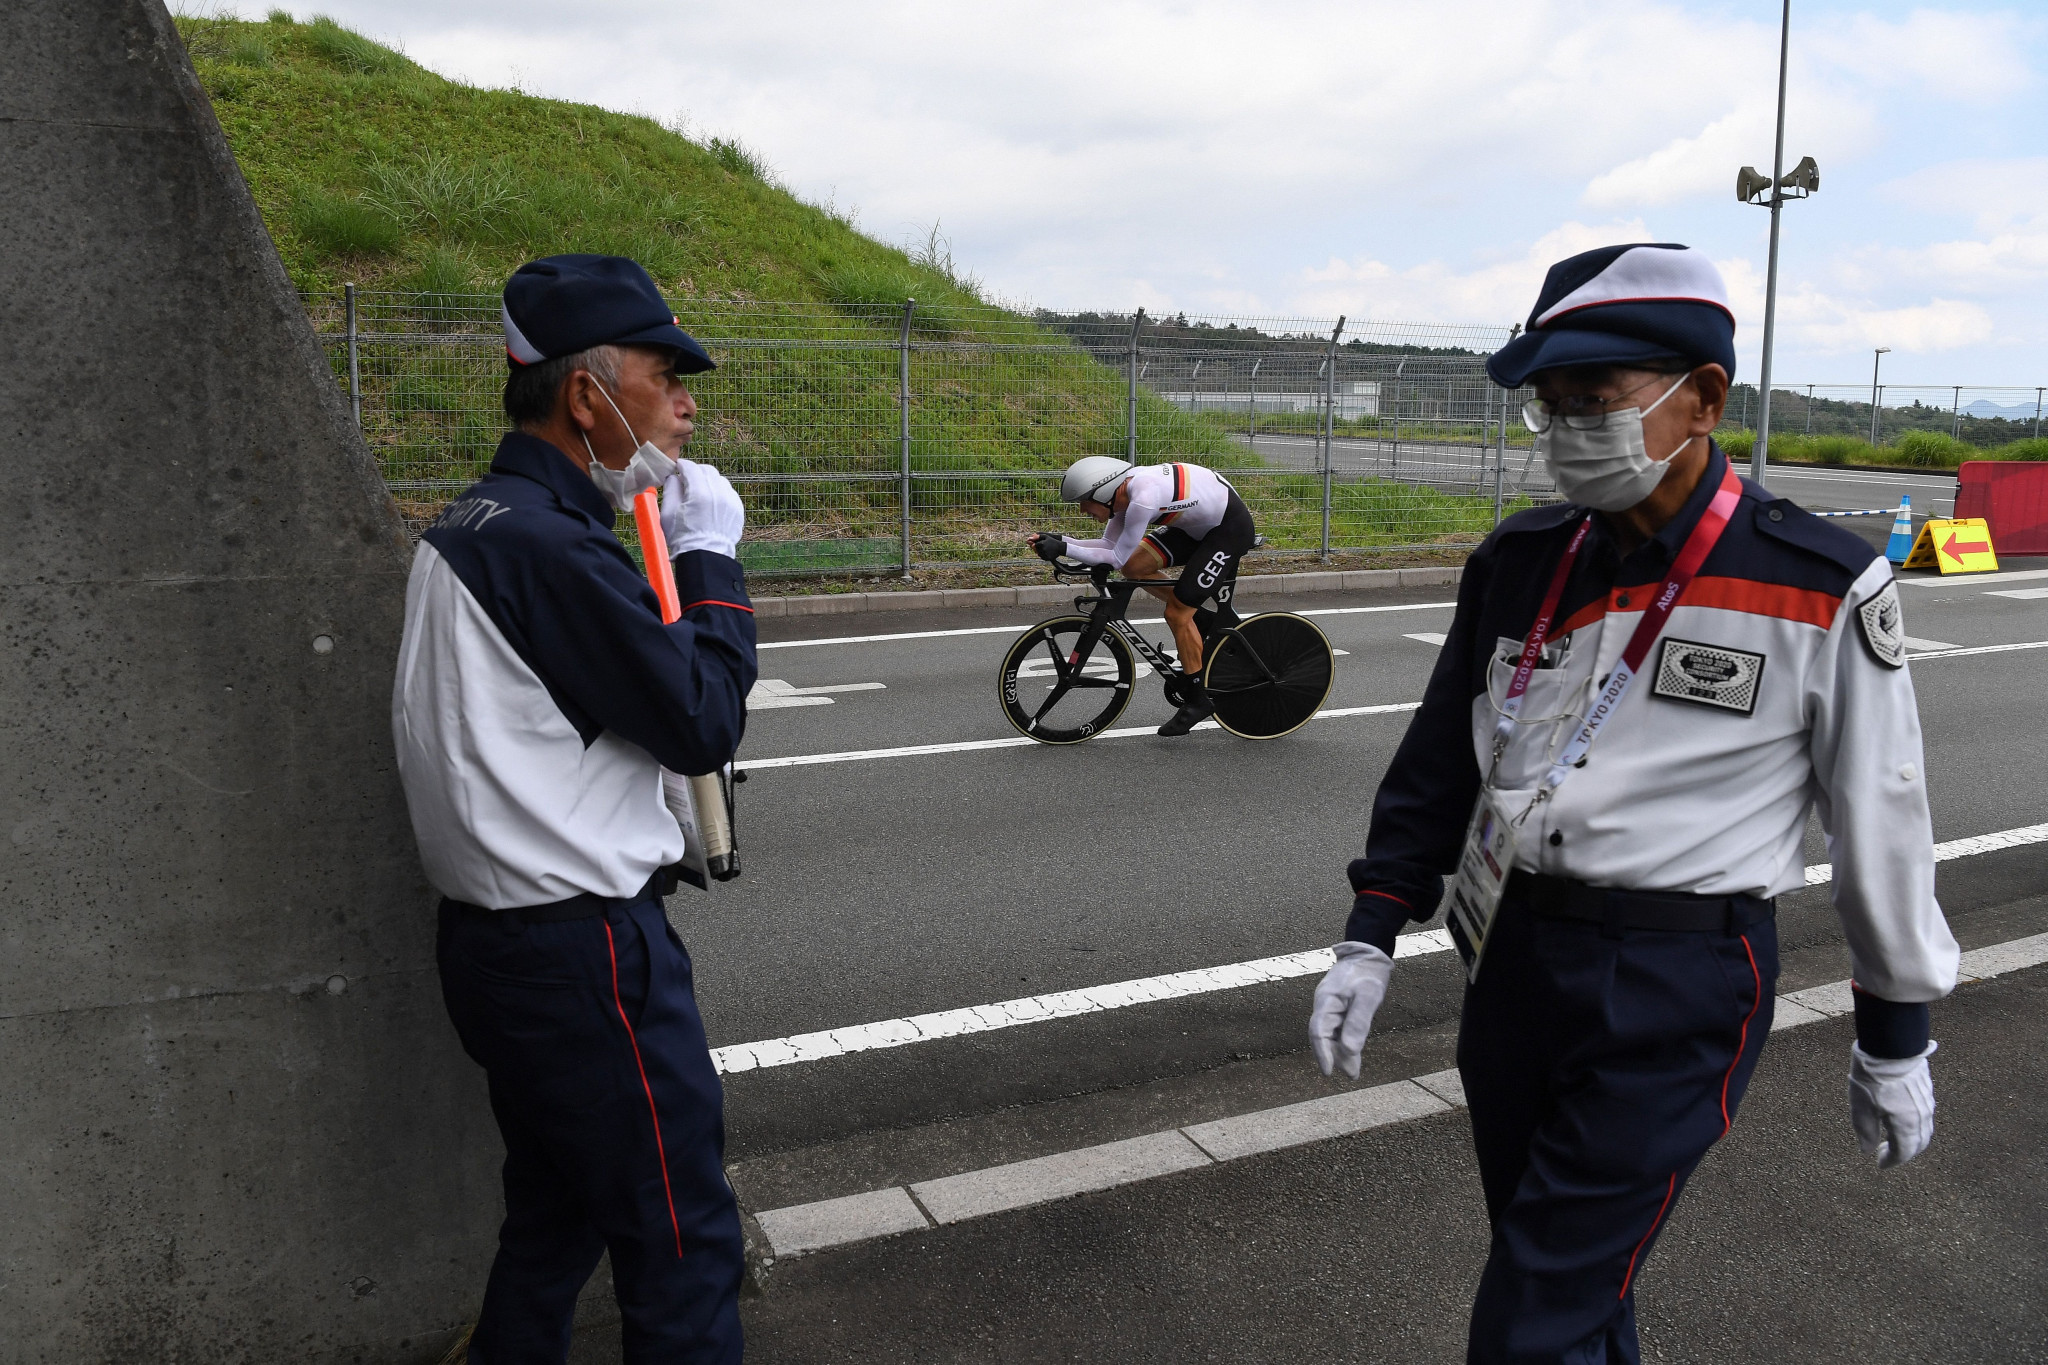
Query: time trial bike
[{"x": 1068, "y": 679}]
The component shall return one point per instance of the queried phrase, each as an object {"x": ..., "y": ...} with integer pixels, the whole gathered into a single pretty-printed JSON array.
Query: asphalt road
[{"x": 880, "y": 887}]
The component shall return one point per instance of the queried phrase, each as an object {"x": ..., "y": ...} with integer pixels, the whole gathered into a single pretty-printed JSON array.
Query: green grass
[{"x": 1914, "y": 450}]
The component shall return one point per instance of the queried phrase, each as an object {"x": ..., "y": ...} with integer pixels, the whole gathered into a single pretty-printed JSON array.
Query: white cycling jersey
[{"x": 1184, "y": 496}]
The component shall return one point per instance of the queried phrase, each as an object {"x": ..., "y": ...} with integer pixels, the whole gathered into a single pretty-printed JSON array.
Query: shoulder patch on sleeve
[{"x": 1884, "y": 626}]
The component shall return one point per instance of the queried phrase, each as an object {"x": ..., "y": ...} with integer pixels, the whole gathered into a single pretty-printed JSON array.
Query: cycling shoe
[{"x": 1188, "y": 717}]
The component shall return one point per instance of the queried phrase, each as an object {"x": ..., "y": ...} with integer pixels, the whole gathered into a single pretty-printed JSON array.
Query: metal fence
[
  {"x": 1883, "y": 414},
  {"x": 874, "y": 439}
]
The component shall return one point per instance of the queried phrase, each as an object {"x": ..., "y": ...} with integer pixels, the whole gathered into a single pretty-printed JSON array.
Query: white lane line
[
  {"x": 1016, "y": 741},
  {"x": 1018, "y": 630},
  {"x": 1969, "y": 579},
  {"x": 1980, "y": 649},
  {"x": 1820, "y": 874},
  {"x": 804, "y": 1228},
  {"x": 1914, "y": 642},
  {"x": 905, "y": 635},
  {"x": 1428, "y": 637},
  {"x": 1036, "y": 1009},
  {"x": 2023, "y": 594}
]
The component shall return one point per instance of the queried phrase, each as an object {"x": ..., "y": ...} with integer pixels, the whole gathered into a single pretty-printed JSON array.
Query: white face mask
[
  {"x": 649, "y": 467},
  {"x": 1607, "y": 468}
]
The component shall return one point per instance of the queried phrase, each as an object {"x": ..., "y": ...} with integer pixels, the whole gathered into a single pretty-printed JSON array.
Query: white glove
[
  {"x": 700, "y": 511},
  {"x": 1891, "y": 1097},
  {"x": 1345, "y": 1000}
]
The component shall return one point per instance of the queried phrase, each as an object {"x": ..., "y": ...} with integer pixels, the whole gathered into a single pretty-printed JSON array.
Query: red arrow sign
[{"x": 1955, "y": 551}]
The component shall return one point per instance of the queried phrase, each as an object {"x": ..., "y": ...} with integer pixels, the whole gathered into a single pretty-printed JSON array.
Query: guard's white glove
[
  {"x": 700, "y": 511},
  {"x": 1891, "y": 1098},
  {"x": 1346, "y": 998}
]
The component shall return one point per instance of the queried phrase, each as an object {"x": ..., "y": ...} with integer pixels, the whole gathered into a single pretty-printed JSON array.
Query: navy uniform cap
[
  {"x": 559, "y": 305},
  {"x": 1624, "y": 305}
]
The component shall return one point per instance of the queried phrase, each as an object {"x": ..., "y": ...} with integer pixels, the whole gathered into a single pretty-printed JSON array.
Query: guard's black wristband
[{"x": 1887, "y": 1028}]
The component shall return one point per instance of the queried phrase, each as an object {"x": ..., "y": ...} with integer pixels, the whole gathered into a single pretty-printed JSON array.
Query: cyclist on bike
[{"x": 1162, "y": 515}]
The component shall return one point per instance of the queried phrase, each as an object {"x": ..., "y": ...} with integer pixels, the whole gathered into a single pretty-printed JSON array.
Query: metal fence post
[
  {"x": 1500, "y": 458},
  {"x": 355, "y": 374},
  {"x": 1809, "y": 409},
  {"x": 903, "y": 403},
  {"x": 1957, "y": 405},
  {"x": 1251, "y": 409},
  {"x": 2038, "y": 391},
  {"x": 1131, "y": 406},
  {"x": 1329, "y": 429}
]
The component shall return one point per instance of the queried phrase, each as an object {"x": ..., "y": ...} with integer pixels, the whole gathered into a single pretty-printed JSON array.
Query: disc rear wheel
[
  {"x": 1055, "y": 698},
  {"x": 1269, "y": 675}
]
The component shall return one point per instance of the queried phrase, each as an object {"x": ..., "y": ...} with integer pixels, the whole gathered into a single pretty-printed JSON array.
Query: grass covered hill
[
  {"x": 371, "y": 169},
  {"x": 426, "y": 193}
]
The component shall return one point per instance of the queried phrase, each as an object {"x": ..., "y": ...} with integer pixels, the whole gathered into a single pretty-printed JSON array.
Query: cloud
[
  {"x": 1496, "y": 293},
  {"x": 1838, "y": 73}
]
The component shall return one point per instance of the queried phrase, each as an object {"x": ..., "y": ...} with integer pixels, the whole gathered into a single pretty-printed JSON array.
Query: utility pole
[
  {"x": 1760, "y": 452},
  {"x": 1875, "y": 359}
]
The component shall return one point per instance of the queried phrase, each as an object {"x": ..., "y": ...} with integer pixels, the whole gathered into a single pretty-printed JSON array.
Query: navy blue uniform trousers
[
  {"x": 1600, "y": 1065},
  {"x": 614, "y": 1131}
]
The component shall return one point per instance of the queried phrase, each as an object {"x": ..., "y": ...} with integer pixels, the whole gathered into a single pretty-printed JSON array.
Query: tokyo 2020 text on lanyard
[{"x": 1490, "y": 839}]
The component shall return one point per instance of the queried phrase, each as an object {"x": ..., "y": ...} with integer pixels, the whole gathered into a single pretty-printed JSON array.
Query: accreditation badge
[{"x": 1481, "y": 879}]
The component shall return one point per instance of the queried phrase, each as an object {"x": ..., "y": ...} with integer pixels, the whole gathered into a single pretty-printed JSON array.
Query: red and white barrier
[{"x": 2012, "y": 496}]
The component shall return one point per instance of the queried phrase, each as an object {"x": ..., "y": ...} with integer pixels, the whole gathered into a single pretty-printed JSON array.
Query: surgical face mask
[
  {"x": 1606, "y": 468},
  {"x": 649, "y": 467}
]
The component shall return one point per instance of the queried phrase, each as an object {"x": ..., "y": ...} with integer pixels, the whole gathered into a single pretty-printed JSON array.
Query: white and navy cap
[
  {"x": 1623, "y": 305},
  {"x": 560, "y": 305}
]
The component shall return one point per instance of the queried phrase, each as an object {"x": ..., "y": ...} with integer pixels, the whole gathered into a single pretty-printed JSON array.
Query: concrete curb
[{"x": 1057, "y": 594}]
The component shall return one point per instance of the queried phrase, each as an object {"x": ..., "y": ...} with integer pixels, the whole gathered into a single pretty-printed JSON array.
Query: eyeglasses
[{"x": 1581, "y": 412}]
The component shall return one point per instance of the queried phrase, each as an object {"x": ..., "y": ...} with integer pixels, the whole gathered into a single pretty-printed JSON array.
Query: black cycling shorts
[{"x": 1209, "y": 565}]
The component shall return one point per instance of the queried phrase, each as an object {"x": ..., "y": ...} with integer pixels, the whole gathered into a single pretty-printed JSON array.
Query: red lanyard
[{"x": 1705, "y": 535}]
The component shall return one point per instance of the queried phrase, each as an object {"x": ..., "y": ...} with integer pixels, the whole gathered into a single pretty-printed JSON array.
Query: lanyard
[{"x": 1705, "y": 535}]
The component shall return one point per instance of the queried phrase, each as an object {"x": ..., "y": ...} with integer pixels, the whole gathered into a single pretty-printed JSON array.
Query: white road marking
[
  {"x": 804, "y": 1228},
  {"x": 1822, "y": 873},
  {"x": 1914, "y": 642},
  {"x": 770, "y": 694},
  {"x": 1035, "y": 1009},
  {"x": 1972, "y": 579},
  {"x": 2024, "y": 594},
  {"x": 1428, "y": 637},
  {"x": 974, "y": 745},
  {"x": 1981, "y": 649},
  {"x": 1018, "y": 630}
]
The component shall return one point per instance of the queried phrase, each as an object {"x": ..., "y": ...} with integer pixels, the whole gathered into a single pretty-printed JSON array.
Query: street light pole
[
  {"x": 1760, "y": 451},
  {"x": 1875, "y": 358}
]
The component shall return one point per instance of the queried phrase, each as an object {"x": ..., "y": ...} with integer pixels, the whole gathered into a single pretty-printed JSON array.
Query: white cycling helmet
[{"x": 1095, "y": 478}]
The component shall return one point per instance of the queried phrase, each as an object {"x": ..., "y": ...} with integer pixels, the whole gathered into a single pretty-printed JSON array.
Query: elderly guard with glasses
[{"x": 1644, "y": 691}]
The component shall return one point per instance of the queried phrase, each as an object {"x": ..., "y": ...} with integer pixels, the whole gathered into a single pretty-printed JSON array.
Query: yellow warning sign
[{"x": 1953, "y": 547}]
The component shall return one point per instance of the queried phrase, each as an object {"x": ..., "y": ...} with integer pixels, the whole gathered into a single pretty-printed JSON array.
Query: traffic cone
[{"x": 1902, "y": 532}]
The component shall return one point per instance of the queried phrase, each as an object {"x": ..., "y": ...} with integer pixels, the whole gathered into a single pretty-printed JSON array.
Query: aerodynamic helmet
[{"x": 1095, "y": 478}]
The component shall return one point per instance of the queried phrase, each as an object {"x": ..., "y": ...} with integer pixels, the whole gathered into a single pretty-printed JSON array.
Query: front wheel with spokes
[{"x": 1054, "y": 697}]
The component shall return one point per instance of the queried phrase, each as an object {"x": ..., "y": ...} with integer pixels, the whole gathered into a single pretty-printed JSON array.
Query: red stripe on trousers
[
  {"x": 1669, "y": 1190},
  {"x": 611, "y": 946},
  {"x": 1743, "y": 1041}
]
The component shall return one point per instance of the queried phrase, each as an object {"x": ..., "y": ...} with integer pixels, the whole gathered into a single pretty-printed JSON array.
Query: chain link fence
[
  {"x": 1884, "y": 414},
  {"x": 877, "y": 439}
]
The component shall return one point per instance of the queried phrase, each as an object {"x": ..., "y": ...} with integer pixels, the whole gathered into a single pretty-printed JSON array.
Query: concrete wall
[{"x": 234, "y": 1122}]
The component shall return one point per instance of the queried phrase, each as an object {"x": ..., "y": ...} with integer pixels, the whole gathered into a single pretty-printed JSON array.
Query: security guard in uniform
[
  {"x": 539, "y": 696},
  {"x": 1642, "y": 694}
]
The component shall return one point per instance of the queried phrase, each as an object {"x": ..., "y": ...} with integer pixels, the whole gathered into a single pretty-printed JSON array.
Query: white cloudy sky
[{"x": 1381, "y": 158}]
